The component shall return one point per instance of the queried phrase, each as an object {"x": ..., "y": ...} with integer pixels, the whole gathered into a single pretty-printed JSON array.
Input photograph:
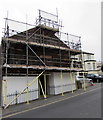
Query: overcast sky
[{"x": 79, "y": 17}]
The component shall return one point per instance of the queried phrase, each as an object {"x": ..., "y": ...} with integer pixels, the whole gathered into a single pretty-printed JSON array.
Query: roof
[
  {"x": 41, "y": 36},
  {"x": 88, "y": 53}
]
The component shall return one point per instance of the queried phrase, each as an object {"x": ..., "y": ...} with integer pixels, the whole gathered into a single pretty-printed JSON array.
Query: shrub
[{"x": 102, "y": 67}]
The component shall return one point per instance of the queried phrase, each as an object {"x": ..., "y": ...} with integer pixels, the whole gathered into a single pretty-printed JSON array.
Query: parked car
[
  {"x": 80, "y": 81},
  {"x": 81, "y": 78},
  {"x": 95, "y": 77}
]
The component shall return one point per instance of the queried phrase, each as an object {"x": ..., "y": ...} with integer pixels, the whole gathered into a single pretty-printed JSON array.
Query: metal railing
[{"x": 22, "y": 98}]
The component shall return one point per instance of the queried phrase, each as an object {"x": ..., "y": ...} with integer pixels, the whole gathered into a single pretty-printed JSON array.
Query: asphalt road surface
[{"x": 87, "y": 105}]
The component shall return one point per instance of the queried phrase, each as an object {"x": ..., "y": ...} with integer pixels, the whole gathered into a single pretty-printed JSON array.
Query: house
[
  {"x": 37, "y": 62},
  {"x": 88, "y": 62}
]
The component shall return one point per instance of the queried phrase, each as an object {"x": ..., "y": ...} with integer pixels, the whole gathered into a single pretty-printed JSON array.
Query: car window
[
  {"x": 92, "y": 75},
  {"x": 80, "y": 76},
  {"x": 96, "y": 74},
  {"x": 88, "y": 75}
]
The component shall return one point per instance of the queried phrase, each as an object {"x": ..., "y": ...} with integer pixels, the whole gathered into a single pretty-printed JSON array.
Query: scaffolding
[
  {"x": 37, "y": 49},
  {"x": 55, "y": 47}
]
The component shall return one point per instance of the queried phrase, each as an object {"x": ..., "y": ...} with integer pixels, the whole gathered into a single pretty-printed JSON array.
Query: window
[
  {"x": 80, "y": 57},
  {"x": 88, "y": 57},
  {"x": 88, "y": 66},
  {"x": 93, "y": 66}
]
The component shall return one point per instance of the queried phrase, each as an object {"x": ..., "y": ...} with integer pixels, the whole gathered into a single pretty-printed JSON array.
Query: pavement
[
  {"x": 0, "y": 113},
  {"x": 42, "y": 102}
]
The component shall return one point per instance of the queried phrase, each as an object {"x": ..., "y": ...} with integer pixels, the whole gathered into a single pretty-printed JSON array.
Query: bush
[{"x": 102, "y": 68}]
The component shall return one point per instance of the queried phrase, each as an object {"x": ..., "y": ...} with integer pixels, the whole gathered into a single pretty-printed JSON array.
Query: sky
[{"x": 79, "y": 17}]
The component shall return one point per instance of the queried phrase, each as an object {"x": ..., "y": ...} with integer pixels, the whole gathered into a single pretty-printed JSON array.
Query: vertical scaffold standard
[{"x": 48, "y": 19}]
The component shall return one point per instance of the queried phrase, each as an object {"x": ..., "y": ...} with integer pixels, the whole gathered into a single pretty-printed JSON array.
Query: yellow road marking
[{"x": 49, "y": 103}]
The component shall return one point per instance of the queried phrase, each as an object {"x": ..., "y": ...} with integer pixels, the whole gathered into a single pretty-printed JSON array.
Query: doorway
[{"x": 43, "y": 84}]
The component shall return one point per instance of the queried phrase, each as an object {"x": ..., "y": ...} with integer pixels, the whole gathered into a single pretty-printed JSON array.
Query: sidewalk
[
  {"x": 39, "y": 102},
  {"x": 0, "y": 113}
]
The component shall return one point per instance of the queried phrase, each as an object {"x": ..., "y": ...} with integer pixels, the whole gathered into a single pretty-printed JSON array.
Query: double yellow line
[{"x": 62, "y": 99}]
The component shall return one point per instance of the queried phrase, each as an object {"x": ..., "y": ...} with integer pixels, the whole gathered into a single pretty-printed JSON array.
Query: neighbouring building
[{"x": 88, "y": 61}]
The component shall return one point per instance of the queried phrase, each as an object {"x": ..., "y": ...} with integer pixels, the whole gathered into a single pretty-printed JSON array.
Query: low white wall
[
  {"x": 58, "y": 86},
  {"x": 51, "y": 84},
  {"x": 55, "y": 86},
  {"x": 17, "y": 84}
]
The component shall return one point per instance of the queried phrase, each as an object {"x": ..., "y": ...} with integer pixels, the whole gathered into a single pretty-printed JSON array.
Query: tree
[{"x": 102, "y": 67}]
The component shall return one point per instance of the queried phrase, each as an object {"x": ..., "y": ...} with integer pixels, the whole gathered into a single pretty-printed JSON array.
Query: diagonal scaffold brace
[{"x": 24, "y": 89}]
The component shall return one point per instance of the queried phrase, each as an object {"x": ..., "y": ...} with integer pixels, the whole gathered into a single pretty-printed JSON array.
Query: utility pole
[{"x": 0, "y": 82}]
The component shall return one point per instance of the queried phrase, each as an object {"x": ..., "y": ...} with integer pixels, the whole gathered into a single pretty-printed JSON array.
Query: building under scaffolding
[{"x": 38, "y": 59}]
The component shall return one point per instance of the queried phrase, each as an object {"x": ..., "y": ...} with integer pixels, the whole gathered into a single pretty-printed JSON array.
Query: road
[{"x": 86, "y": 105}]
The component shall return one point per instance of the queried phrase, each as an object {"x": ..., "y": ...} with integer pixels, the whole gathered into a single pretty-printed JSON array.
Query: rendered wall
[
  {"x": 58, "y": 85},
  {"x": 51, "y": 84},
  {"x": 91, "y": 65},
  {"x": 16, "y": 85}
]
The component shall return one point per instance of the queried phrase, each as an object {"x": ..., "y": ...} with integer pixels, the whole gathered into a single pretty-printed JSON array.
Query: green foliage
[{"x": 102, "y": 67}]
